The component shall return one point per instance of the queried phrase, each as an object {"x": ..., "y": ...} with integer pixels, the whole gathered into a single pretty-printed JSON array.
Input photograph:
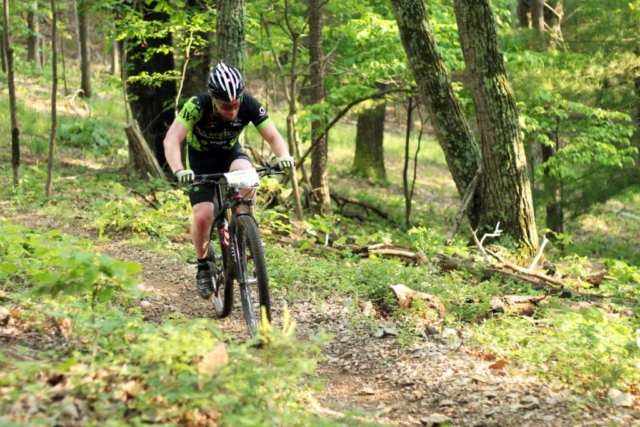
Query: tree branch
[{"x": 341, "y": 114}]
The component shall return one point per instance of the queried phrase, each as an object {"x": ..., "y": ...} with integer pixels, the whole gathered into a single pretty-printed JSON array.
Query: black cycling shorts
[{"x": 212, "y": 162}]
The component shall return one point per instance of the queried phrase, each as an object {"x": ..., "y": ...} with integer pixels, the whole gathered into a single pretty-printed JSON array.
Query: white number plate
[{"x": 245, "y": 178}]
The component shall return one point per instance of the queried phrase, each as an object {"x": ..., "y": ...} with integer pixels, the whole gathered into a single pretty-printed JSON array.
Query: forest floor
[{"x": 437, "y": 381}]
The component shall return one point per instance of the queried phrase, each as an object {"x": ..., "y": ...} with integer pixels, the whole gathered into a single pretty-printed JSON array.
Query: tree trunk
[
  {"x": 85, "y": 54},
  {"x": 434, "y": 84},
  {"x": 54, "y": 96},
  {"x": 537, "y": 15},
  {"x": 63, "y": 60},
  {"x": 77, "y": 26},
  {"x": 33, "y": 41},
  {"x": 368, "y": 161},
  {"x": 554, "y": 24},
  {"x": 320, "y": 196},
  {"x": 408, "y": 186},
  {"x": 3, "y": 53},
  {"x": 115, "y": 58},
  {"x": 537, "y": 23},
  {"x": 15, "y": 131},
  {"x": 524, "y": 13},
  {"x": 149, "y": 102},
  {"x": 230, "y": 33},
  {"x": 505, "y": 188}
]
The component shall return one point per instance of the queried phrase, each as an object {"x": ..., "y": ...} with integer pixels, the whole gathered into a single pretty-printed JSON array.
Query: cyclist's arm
[
  {"x": 275, "y": 140},
  {"x": 175, "y": 135}
]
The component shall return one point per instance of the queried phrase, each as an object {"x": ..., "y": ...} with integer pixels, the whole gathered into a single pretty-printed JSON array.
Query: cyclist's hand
[
  {"x": 285, "y": 163},
  {"x": 184, "y": 175}
]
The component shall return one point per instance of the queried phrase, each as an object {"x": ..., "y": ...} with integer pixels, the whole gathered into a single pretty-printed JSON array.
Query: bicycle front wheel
[{"x": 253, "y": 273}]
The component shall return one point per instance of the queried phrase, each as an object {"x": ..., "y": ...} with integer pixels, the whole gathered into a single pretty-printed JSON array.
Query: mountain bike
[{"x": 241, "y": 259}]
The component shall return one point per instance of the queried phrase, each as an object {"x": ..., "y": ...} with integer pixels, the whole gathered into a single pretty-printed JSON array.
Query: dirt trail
[{"x": 432, "y": 382}]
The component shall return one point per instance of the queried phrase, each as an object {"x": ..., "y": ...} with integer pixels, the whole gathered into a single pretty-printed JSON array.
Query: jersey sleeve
[
  {"x": 258, "y": 114},
  {"x": 191, "y": 113}
]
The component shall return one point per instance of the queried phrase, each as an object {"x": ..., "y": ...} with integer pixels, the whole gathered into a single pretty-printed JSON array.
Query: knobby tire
[
  {"x": 254, "y": 269},
  {"x": 223, "y": 299}
]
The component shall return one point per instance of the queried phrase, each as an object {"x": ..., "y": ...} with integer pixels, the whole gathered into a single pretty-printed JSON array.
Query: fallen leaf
[
  {"x": 500, "y": 364},
  {"x": 214, "y": 360}
]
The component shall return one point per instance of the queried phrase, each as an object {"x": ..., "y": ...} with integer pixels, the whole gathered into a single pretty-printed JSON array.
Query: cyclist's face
[{"x": 227, "y": 110}]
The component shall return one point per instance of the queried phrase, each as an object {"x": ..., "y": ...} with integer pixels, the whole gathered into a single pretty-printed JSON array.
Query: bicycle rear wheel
[
  {"x": 222, "y": 299},
  {"x": 254, "y": 272}
]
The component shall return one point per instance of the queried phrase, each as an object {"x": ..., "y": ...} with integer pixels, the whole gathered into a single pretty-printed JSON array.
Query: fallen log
[
  {"x": 143, "y": 157},
  {"x": 406, "y": 296},
  {"x": 538, "y": 280},
  {"x": 516, "y": 304}
]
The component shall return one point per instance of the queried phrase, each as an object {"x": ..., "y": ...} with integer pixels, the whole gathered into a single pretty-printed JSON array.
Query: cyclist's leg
[
  {"x": 201, "y": 198},
  {"x": 200, "y": 227}
]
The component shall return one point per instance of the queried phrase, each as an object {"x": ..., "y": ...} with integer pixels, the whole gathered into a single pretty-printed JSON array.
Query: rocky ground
[{"x": 436, "y": 381}]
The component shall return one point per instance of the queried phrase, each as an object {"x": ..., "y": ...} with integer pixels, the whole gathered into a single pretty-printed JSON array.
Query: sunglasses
[{"x": 227, "y": 106}]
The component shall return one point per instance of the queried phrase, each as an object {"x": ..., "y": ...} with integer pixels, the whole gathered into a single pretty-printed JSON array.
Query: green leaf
[
  {"x": 64, "y": 366},
  {"x": 105, "y": 294},
  {"x": 90, "y": 277},
  {"x": 8, "y": 268},
  {"x": 306, "y": 244},
  {"x": 593, "y": 315},
  {"x": 44, "y": 277}
]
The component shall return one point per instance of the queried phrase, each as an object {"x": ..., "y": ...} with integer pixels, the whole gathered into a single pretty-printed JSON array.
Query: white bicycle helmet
[{"x": 225, "y": 83}]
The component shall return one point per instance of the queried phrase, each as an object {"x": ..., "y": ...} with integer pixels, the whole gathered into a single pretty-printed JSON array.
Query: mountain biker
[{"x": 211, "y": 124}]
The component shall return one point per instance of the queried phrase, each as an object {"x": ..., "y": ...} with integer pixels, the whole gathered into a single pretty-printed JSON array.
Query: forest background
[{"x": 388, "y": 177}]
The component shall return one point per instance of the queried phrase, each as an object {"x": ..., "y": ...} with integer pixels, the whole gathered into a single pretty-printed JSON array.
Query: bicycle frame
[
  {"x": 229, "y": 211},
  {"x": 230, "y": 207}
]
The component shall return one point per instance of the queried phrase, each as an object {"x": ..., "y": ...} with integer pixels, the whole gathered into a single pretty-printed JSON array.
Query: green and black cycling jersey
[{"x": 209, "y": 132}]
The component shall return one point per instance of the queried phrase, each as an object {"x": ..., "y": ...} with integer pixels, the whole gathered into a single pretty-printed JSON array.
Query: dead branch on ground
[
  {"x": 365, "y": 251},
  {"x": 342, "y": 201}
]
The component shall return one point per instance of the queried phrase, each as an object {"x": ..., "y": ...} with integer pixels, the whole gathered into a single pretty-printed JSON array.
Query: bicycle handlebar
[{"x": 262, "y": 171}]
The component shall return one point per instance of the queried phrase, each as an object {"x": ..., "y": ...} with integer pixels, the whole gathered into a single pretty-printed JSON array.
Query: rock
[
  {"x": 367, "y": 309},
  {"x": 490, "y": 394},
  {"x": 386, "y": 330},
  {"x": 432, "y": 330},
  {"x": 368, "y": 391},
  {"x": 530, "y": 402},
  {"x": 552, "y": 401},
  {"x": 434, "y": 420},
  {"x": 619, "y": 398},
  {"x": 5, "y": 314}
]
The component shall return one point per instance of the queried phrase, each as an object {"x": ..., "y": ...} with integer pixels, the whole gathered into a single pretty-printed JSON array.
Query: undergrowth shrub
[
  {"x": 586, "y": 350},
  {"x": 163, "y": 217},
  {"x": 118, "y": 370},
  {"x": 89, "y": 134}
]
